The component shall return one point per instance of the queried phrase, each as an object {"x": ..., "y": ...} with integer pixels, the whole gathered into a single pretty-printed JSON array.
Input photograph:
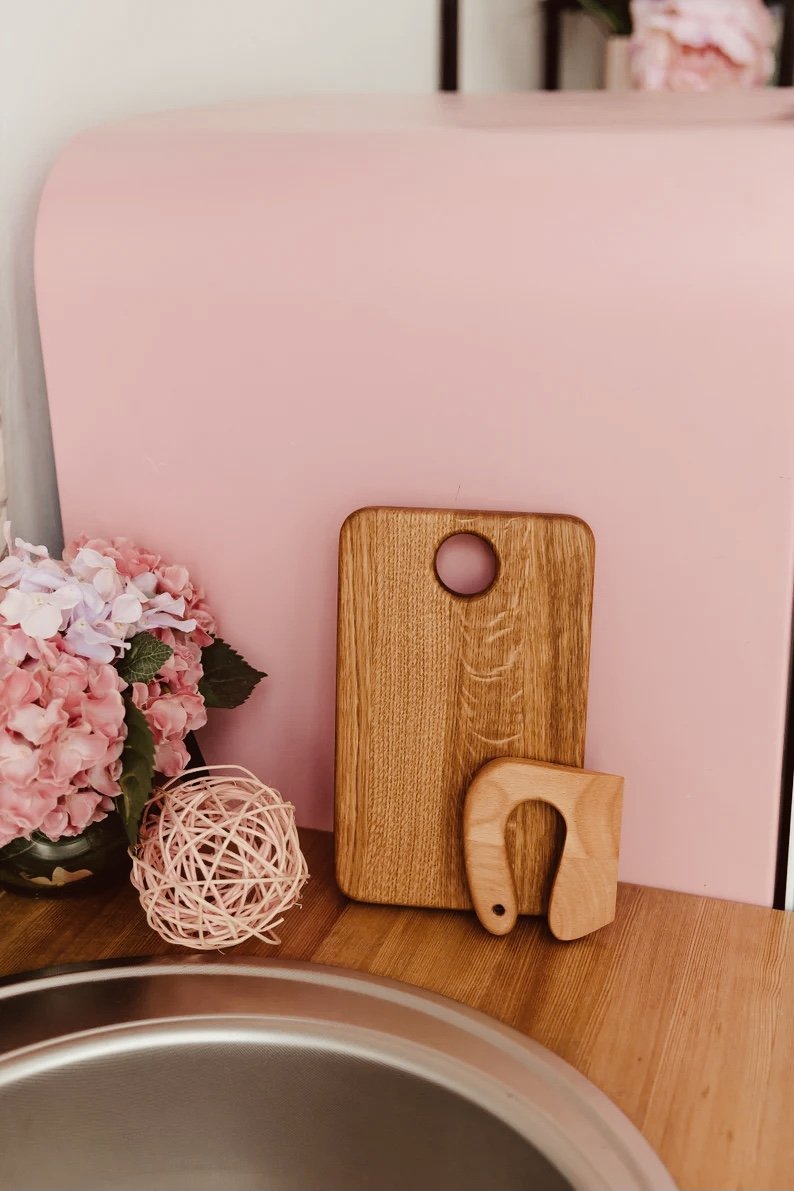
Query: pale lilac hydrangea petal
[
  {"x": 146, "y": 583},
  {"x": 40, "y": 614},
  {"x": 88, "y": 643},
  {"x": 36, "y": 551},
  {"x": 126, "y": 609}
]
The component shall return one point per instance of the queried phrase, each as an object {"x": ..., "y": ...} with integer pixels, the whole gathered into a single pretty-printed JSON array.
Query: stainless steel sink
[{"x": 224, "y": 1075}]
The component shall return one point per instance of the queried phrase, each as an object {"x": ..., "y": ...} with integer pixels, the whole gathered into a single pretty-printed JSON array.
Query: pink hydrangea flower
[
  {"x": 183, "y": 670},
  {"x": 172, "y": 705},
  {"x": 61, "y": 737},
  {"x": 62, "y": 626},
  {"x": 701, "y": 45},
  {"x": 171, "y": 715},
  {"x": 86, "y": 598},
  {"x": 168, "y": 588}
]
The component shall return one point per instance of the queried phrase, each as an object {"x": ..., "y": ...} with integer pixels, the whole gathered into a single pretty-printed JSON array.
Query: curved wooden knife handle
[{"x": 585, "y": 886}]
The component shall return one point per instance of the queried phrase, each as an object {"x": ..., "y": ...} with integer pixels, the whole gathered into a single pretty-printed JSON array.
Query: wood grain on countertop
[{"x": 682, "y": 1010}]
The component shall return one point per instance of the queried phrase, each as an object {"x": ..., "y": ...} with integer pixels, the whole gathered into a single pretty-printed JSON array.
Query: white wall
[
  {"x": 501, "y": 47},
  {"x": 68, "y": 64}
]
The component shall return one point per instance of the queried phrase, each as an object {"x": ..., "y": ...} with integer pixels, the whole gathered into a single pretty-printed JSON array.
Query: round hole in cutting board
[{"x": 466, "y": 564}]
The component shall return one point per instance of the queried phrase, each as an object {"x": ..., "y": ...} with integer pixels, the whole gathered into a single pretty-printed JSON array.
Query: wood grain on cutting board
[{"x": 431, "y": 685}]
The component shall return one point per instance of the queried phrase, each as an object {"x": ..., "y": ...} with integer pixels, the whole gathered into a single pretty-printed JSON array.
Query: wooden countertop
[{"x": 682, "y": 1010}]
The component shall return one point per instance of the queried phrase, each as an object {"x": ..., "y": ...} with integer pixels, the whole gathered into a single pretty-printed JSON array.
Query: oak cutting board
[{"x": 431, "y": 685}]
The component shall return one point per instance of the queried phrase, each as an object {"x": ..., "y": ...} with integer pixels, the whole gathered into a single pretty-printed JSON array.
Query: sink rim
[{"x": 516, "y": 1079}]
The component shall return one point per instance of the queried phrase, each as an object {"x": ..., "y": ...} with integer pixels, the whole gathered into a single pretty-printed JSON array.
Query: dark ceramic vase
[{"x": 40, "y": 867}]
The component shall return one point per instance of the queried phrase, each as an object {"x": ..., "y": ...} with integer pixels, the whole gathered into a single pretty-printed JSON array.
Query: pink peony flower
[
  {"x": 701, "y": 45},
  {"x": 61, "y": 738}
]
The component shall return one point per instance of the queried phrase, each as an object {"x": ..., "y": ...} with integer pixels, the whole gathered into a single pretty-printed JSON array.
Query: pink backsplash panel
[{"x": 257, "y": 320}]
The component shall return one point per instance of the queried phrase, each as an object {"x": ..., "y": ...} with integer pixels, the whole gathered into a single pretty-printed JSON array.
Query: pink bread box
[{"x": 258, "y": 319}]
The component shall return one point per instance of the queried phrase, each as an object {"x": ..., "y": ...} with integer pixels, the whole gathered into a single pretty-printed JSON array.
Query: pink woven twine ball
[{"x": 218, "y": 860}]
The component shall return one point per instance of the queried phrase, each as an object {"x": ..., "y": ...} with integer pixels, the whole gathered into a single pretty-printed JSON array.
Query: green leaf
[
  {"x": 137, "y": 769},
  {"x": 615, "y": 15},
  {"x": 228, "y": 679},
  {"x": 145, "y": 656}
]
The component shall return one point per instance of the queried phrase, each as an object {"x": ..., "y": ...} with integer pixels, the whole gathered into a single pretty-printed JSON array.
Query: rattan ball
[{"x": 218, "y": 860}]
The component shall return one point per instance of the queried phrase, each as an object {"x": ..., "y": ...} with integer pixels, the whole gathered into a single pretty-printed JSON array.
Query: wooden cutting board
[{"x": 431, "y": 685}]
